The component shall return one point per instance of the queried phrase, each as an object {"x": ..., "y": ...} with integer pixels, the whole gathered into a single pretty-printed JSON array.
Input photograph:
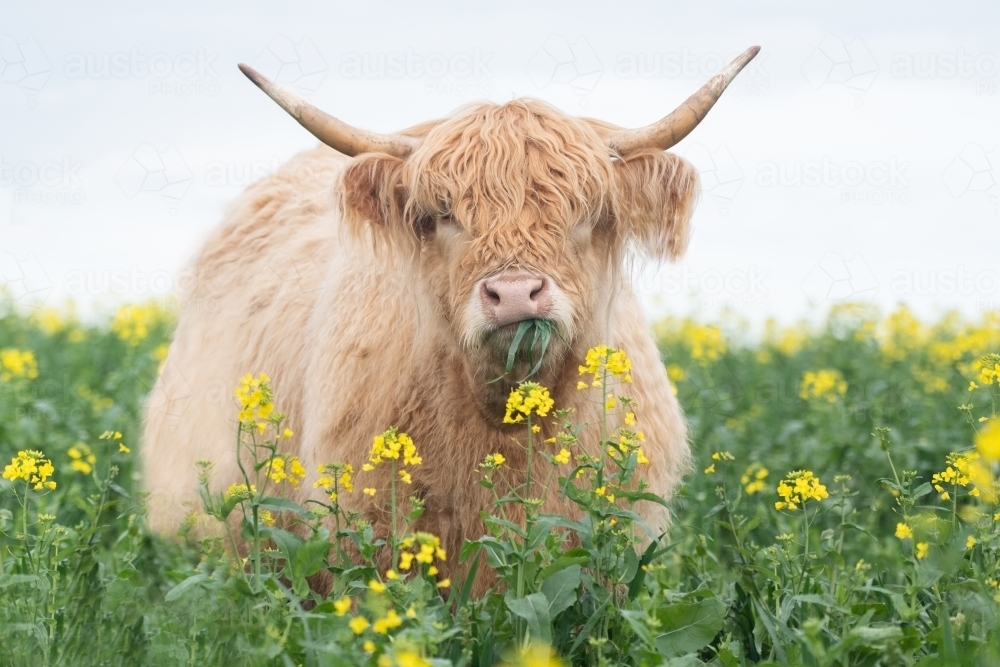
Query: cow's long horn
[
  {"x": 333, "y": 132},
  {"x": 669, "y": 130}
]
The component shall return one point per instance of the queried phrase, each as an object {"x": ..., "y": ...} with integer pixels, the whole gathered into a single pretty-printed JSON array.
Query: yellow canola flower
[
  {"x": 133, "y": 322},
  {"x": 17, "y": 364},
  {"x": 342, "y": 606},
  {"x": 921, "y": 550},
  {"x": 798, "y": 487},
  {"x": 286, "y": 468},
  {"x": 613, "y": 360},
  {"x": 240, "y": 491},
  {"x": 988, "y": 440},
  {"x": 358, "y": 624},
  {"x": 825, "y": 385},
  {"x": 903, "y": 531},
  {"x": 526, "y": 399},
  {"x": 255, "y": 400},
  {"x": 392, "y": 444},
  {"x": 32, "y": 467},
  {"x": 388, "y": 622},
  {"x": 970, "y": 542},
  {"x": 753, "y": 478},
  {"x": 562, "y": 456},
  {"x": 82, "y": 458}
]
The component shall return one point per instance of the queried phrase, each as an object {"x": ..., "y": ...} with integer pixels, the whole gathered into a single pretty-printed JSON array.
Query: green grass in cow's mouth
[{"x": 529, "y": 348}]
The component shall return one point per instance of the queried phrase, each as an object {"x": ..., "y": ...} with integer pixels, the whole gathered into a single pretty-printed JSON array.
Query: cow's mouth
[{"x": 521, "y": 348}]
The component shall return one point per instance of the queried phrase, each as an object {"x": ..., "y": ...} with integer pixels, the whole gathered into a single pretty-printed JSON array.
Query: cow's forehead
[{"x": 523, "y": 162}]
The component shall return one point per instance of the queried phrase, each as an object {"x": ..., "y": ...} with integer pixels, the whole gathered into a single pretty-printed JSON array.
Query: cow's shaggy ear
[
  {"x": 372, "y": 192},
  {"x": 656, "y": 194}
]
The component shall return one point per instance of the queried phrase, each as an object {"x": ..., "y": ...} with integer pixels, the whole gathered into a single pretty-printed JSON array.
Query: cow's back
[{"x": 245, "y": 308}]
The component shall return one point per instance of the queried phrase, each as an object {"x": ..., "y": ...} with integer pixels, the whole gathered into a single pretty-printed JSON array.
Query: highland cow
[{"x": 378, "y": 281}]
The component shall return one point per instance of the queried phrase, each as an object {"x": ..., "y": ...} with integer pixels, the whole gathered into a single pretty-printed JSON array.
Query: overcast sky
[{"x": 855, "y": 159}]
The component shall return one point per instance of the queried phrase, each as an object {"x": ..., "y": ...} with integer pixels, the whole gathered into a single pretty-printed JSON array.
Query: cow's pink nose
[{"x": 514, "y": 296}]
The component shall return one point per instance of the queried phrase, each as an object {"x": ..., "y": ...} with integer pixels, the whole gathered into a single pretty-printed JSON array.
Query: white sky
[{"x": 856, "y": 158}]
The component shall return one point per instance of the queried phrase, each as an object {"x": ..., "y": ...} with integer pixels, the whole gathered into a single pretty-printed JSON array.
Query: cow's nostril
[
  {"x": 537, "y": 291},
  {"x": 492, "y": 295}
]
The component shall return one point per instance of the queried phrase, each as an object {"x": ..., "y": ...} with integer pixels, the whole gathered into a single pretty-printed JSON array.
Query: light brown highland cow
[{"x": 378, "y": 281}]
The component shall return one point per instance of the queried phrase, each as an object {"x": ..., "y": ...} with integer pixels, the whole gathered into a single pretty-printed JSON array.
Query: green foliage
[{"x": 880, "y": 556}]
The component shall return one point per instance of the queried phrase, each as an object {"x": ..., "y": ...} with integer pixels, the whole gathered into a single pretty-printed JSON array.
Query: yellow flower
[
  {"x": 255, "y": 396},
  {"x": 82, "y": 458},
  {"x": 369, "y": 491},
  {"x": 798, "y": 487},
  {"x": 753, "y": 478},
  {"x": 710, "y": 469},
  {"x": 404, "y": 476},
  {"x": 970, "y": 542},
  {"x": 342, "y": 606},
  {"x": 133, "y": 322},
  {"x": 988, "y": 440},
  {"x": 32, "y": 467},
  {"x": 921, "y": 551},
  {"x": 601, "y": 490},
  {"x": 562, "y": 456},
  {"x": 630, "y": 419},
  {"x": 640, "y": 457},
  {"x": 903, "y": 531},
  {"x": 376, "y": 586},
  {"x": 613, "y": 360},
  {"x": 123, "y": 449},
  {"x": 287, "y": 433},
  {"x": 826, "y": 385},
  {"x": 240, "y": 490},
  {"x": 369, "y": 646},
  {"x": 582, "y": 385},
  {"x": 526, "y": 399},
  {"x": 444, "y": 583},
  {"x": 388, "y": 622},
  {"x": 17, "y": 364},
  {"x": 358, "y": 624},
  {"x": 267, "y": 518},
  {"x": 392, "y": 575},
  {"x": 609, "y": 404},
  {"x": 392, "y": 445}
]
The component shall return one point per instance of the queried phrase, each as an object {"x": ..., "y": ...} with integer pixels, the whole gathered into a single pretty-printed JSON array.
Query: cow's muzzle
[{"x": 513, "y": 296}]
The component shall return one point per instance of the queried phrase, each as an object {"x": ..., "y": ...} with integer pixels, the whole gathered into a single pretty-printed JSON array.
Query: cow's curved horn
[
  {"x": 333, "y": 132},
  {"x": 669, "y": 130}
]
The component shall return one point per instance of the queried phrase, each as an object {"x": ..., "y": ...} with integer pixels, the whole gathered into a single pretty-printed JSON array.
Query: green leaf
[
  {"x": 686, "y": 627},
  {"x": 311, "y": 557},
  {"x": 282, "y": 505},
  {"x": 560, "y": 589},
  {"x": 15, "y": 579},
  {"x": 534, "y": 609},
  {"x": 184, "y": 586},
  {"x": 575, "y": 556}
]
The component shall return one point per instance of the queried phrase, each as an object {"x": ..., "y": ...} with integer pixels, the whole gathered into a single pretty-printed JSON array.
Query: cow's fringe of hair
[{"x": 517, "y": 176}]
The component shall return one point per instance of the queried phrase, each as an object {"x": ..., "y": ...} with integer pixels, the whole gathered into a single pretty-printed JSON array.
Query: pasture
[{"x": 840, "y": 510}]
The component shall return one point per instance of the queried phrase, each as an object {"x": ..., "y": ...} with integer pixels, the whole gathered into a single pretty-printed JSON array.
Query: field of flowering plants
[{"x": 841, "y": 510}]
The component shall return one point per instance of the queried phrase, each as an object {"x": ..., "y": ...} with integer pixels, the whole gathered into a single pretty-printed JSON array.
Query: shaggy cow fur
[{"x": 351, "y": 283}]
